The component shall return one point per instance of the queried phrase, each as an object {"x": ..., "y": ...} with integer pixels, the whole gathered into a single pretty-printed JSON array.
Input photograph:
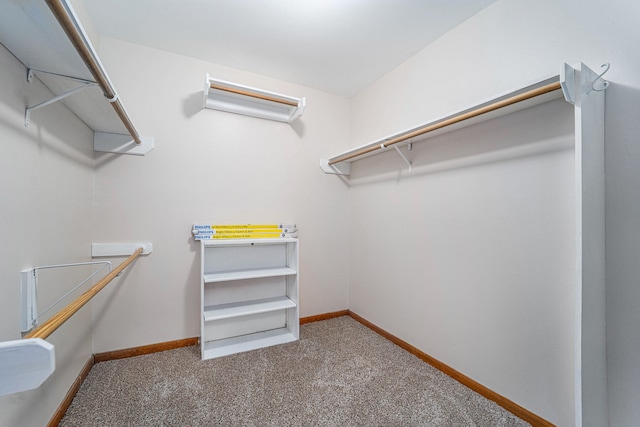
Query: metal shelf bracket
[
  {"x": 30, "y": 74},
  {"x": 403, "y": 156}
]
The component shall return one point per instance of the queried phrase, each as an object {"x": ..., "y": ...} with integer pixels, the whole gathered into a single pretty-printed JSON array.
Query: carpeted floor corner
[{"x": 339, "y": 373}]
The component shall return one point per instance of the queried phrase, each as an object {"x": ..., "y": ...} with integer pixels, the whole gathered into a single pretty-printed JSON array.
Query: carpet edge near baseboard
[
  {"x": 514, "y": 408},
  {"x": 145, "y": 349},
  {"x": 71, "y": 393},
  {"x": 323, "y": 316}
]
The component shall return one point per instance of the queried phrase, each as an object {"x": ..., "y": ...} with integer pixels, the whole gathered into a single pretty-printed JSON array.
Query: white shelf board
[
  {"x": 249, "y": 342},
  {"x": 256, "y": 273},
  {"x": 246, "y": 308}
]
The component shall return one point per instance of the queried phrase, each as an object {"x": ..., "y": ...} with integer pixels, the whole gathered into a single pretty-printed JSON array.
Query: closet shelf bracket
[
  {"x": 579, "y": 79},
  {"x": 84, "y": 85},
  {"x": 403, "y": 156},
  {"x": 335, "y": 169},
  {"x": 29, "y": 291},
  {"x": 119, "y": 249}
]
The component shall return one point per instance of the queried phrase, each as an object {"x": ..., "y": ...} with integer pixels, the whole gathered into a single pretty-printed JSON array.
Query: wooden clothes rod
[
  {"x": 253, "y": 95},
  {"x": 50, "y": 326},
  {"x": 77, "y": 38},
  {"x": 453, "y": 120}
]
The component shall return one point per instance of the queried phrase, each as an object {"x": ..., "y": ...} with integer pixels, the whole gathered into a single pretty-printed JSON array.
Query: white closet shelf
[
  {"x": 247, "y": 308},
  {"x": 30, "y": 30},
  {"x": 249, "y": 342},
  {"x": 249, "y": 101},
  {"x": 256, "y": 273},
  {"x": 536, "y": 93}
]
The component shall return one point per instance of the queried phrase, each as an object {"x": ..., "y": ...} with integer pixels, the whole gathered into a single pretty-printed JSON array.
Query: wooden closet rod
[
  {"x": 50, "y": 326},
  {"x": 453, "y": 120},
  {"x": 77, "y": 38},
  {"x": 254, "y": 95}
]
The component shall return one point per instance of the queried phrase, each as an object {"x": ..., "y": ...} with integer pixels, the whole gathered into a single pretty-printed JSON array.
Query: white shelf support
[
  {"x": 119, "y": 249},
  {"x": 568, "y": 83},
  {"x": 121, "y": 144},
  {"x": 579, "y": 79},
  {"x": 336, "y": 169},
  {"x": 85, "y": 84},
  {"x": 403, "y": 156},
  {"x": 28, "y": 300},
  {"x": 29, "y": 291}
]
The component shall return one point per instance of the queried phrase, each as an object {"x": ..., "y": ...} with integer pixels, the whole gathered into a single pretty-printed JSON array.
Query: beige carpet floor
[{"x": 340, "y": 373}]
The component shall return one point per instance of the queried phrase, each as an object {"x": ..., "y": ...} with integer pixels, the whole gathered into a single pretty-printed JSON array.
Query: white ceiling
[{"x": 337, "y": 46}]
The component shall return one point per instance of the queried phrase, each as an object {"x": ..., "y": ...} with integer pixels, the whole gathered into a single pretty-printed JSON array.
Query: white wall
[
  {"x": 45, "y": 218},
  {"x": 507, "y": 45},
  {"x": 474, "y": 253},
  {"x": 211, "y": 166}
]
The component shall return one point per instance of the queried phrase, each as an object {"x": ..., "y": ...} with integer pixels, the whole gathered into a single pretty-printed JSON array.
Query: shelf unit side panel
[
  {"x": 293, "y": 289},
  {"x": 202, "y": 299}
]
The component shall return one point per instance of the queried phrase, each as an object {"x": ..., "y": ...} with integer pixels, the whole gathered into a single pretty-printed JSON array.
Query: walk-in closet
[{"x": 319, "y": 213}]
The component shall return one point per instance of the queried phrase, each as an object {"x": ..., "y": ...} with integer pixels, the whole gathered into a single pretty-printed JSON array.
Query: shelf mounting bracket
[
  {"x": 403, "y": 156},
  {"x": 335, "y": 169}
]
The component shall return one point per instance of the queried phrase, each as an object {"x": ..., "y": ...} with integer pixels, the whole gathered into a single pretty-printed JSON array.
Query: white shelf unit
[
  {"x": 249, "y": 295},
  {"x": 249, "y": 101}
]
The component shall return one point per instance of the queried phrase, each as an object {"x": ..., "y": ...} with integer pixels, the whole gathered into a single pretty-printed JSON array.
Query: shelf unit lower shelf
[{"x": 228, "y": 346}]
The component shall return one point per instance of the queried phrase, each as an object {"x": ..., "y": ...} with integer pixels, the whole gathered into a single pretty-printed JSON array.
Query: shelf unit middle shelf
[
  {"x": 226, "y": 311},
  {"x": 256, "y": 273}
]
